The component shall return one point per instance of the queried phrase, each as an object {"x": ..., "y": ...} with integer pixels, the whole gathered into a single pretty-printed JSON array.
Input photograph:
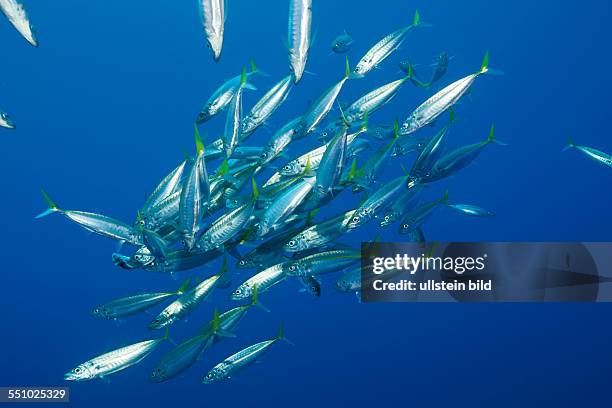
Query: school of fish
[{"x": 230, "y": 200}]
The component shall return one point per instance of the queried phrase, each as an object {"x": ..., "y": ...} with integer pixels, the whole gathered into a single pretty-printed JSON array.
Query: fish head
[
  {"x": 342, "y": 285},
  {"x": 297, "y": 268},
  {"x": 215, "y": 44},
  {"x": 295, "y": 244},
  {"x": 387, "y": 219},
  {"x": 80, "y": 373},
  {"x": 263, "y": 228},
  {"x": 360, "y": 70},
  {"x": 291, "y": 169},
  {"x": 189, "y": 240},
  {"x": 100, "y": 312},
  {"x": 208, "y": 112},
  {"x": 158, "y": 375},
  {"x": 5, "y": 121},
  {"x": 160, "y": 320},
  {"x": 214, "y": 375},
  {"x": 406, "y": 227},
  {"x": 245, "y": 263},
  {"x": 241, "y": 292},
  {"x": 356, "y": 221}
]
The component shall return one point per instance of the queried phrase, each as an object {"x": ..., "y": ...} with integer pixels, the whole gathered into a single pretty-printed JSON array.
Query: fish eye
[
  {"x": 77, "y": 370},
  {"x": 96, "y": 310},
  {"x": 292, "y": 243},
  {"x": 292, "y": 268},
  {"x": 355, "y": 219},
  {"x": 241, "y": 262},
  {"x": 405, "y": 226}
]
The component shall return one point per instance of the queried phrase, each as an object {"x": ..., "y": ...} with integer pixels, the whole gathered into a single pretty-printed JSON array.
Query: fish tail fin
[
  {"x": 183, "y": 287},
  {"x": 352, "y": 171},
  {"x": 347, "y": 69},
  {"x": 417, "y": 22},
  {"x": 223, "y": 266},
  {"x": 224, "y": 168},
  {"x": 281, "y": 335},
  {"x": 216, "y": 326},
  {"x": 486, "y": 69},
  {"x": 243, "y": 77},
  {"x": 166, "y": 334},
  {"x": 343, "y": 116},
  {"x": 308, "y": 167},
  {"x": 395, "y": 129},
  {"x": 412, "y": 77},
  {"x": 445, "y": 198},
  {"x": 216, "y": 323},
  {"x": 491, "y": 137},
  {"x": 255, "y": 300},
  {"x": 253, "y": 66},
  {"x": 570, "y": 144},
  {"x": 198, "y": 140},
  {"x": 50, "y": 203},
  {"x": 255, "y": 189}
]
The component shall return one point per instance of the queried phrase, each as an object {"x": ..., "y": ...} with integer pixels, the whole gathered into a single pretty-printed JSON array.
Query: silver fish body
[
  {"x": 18, "y": 17},
  {"x": 264, "y": 280},
  {"x": 320, "y": 234},
  {"x": 129, "y": 305},
  {"x": 5, "y": 121},
  {"x": 284, "y": 205},
  {"x": 113, "y": 361},
  {"x": 299, "y": 37},
  {"x": 265, "y": 107},
  {"x": 213, "y": 21},
  {"x": 185, "y": 304}
]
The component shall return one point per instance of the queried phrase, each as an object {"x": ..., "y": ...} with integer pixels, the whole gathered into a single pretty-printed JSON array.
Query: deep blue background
[{"x": 105, "y": 107}]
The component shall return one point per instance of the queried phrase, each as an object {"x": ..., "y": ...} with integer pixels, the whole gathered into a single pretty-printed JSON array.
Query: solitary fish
[
  {"x": 5, "y": 121},
  {"x": 472, "y": 210},
  {"x": 385, "y": 47},
  {"x": 342, "y": 43},
  {"x": 241, "y": 359},
  {"x": 114, "y": 361},
  {"x": 212, "y": 13},
  {"x": 18, "y": 17},
  {"x": 591, "y": 153},
  {"x": 300, "y": 21}
]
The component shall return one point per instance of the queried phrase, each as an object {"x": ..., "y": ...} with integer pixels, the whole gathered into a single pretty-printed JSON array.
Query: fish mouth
[{"x": 70, "y": 377}]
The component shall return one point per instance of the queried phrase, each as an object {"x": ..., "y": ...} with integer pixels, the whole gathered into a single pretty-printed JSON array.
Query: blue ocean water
[{"x": 105, "y": 108}]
